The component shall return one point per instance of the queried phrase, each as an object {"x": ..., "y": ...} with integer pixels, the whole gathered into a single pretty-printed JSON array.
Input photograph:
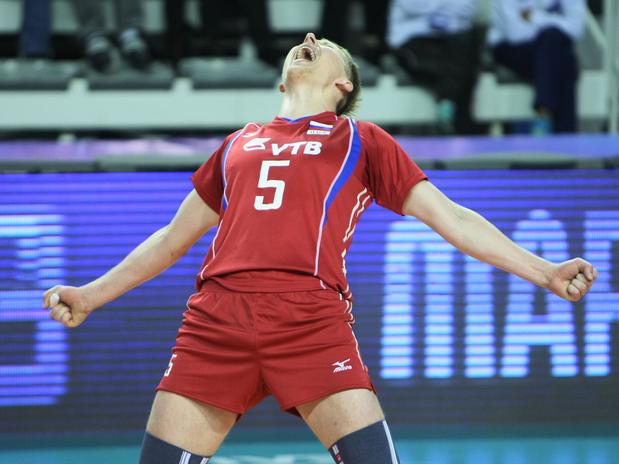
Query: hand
[
  {"x": 572, "y": 279},
  {"x": 67, "y": 305}
]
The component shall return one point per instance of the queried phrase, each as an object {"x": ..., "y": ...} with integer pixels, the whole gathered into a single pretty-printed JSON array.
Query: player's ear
[
  {"x": 282, "y": 87},
  {"x": 344, "y": 85}
]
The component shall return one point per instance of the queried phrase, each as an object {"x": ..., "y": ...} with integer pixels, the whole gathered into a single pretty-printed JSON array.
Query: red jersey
[{"x": 289, "y": 195}]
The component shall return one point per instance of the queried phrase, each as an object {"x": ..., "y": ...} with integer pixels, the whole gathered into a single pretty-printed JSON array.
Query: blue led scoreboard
[{"x": 447, "y": 339}]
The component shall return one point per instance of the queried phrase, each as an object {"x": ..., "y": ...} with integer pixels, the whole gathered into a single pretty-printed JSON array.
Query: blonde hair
[{"x": 350, "y": 102}]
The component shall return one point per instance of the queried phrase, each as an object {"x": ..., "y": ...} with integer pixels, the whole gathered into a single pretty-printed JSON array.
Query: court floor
[{"x": 545, "y": 450}]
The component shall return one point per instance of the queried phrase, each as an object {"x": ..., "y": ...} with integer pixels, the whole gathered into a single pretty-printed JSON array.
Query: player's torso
[{"x": 281, "y": 181}]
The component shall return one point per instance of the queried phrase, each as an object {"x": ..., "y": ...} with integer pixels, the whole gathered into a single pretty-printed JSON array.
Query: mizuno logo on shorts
[{"x": 341, "y": 365}]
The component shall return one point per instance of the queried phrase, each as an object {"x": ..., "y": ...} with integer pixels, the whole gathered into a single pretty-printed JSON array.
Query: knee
[
  {"x": 555, "y": 38},
  {"x": 555, "y": 51},
  {"x": 368, "y": 445},
  {"x": 157, "y": 451}
]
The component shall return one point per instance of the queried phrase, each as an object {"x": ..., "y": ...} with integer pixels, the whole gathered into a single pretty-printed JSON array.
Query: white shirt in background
[
  {"x": 421, "y": 18},
  {"x": 508, "y": 24}
]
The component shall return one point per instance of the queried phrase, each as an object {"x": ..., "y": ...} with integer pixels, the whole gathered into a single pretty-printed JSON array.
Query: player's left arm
[{"x": 472, "y": 234}]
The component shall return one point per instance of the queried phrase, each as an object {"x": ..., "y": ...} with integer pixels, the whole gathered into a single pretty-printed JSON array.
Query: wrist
[
  {"x": 545, "y": 273},
  {"x": 89, "y": 294}
]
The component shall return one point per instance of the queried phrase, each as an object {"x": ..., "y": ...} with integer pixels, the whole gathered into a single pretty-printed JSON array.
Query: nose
[{"x": 310, "y": 38}]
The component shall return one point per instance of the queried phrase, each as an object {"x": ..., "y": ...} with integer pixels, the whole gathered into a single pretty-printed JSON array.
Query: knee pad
[
  {"x": 157, "y": 451},
  {"x": 370, "y": 445}
]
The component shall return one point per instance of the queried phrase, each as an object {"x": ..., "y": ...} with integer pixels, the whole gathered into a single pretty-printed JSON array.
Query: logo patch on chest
[
  {"x": 256, "y": 144},
  {"x": 294, "y": 148},
  {"x": 307, "y": 148}
]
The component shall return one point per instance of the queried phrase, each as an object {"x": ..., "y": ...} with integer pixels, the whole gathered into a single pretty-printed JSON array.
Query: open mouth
[{"x": 305, "y": 53}]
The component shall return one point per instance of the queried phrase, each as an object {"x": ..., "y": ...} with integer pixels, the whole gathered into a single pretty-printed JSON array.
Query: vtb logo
[{"x": 294, "y": 148}]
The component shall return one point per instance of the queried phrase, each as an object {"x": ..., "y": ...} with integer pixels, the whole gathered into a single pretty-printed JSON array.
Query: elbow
[
  {"x": 173, "y": 249},
  {"x": 463, "y": 223},
  {"x": 461, "y": 216},
  {"x": 460, "y": 212}
]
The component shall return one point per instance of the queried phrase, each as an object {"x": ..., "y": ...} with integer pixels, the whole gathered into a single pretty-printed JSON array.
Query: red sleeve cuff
[
  {"x": 211, "y": 201},
  {"x": 407, "y": 188}
]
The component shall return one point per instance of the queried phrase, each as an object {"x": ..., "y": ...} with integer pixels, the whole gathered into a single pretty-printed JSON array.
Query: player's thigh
[
  {"x": 340, "y": 414},
  {"x": 191, "y": 425}
]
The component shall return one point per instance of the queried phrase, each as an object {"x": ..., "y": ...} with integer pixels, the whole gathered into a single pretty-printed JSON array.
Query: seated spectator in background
[
  {"x": 97, "y": 46},
  {"x": 438, "y": 45},
  {"x": 34, "y": 40},
  {"x": 336, "y": 26},
  {"x": 256, "y": 13},
  {"x": 535, "y": 39},
  {"x": 212, "y": 11}
]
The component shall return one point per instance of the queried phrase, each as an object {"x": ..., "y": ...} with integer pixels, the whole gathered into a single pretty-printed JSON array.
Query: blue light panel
[{"x": 442, "y": 334}]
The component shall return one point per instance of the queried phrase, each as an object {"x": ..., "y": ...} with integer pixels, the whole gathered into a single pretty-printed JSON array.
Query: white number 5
[
  {"x": 170, "y": 366},
  {"x": 265, "y": 182}
]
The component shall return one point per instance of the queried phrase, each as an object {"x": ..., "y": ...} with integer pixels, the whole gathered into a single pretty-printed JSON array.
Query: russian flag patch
[{"x": 318, "y": 128}]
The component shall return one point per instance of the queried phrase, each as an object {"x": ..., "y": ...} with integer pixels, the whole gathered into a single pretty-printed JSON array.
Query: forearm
[
  {"x": 149, "y": 259},
  {"x": 478, "y": 238},
  {"x": 475, "y": 236}
]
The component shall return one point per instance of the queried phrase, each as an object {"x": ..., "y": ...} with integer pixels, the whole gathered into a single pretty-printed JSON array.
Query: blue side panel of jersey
[
  {"x": 224, "y": 199},
  {"x": 349, "y": 167}
]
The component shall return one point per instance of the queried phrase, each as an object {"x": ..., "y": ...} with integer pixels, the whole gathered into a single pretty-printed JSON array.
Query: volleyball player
[{"x": 272, "y": 312}]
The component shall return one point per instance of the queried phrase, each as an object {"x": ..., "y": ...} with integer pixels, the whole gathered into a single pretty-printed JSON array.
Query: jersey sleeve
[
  {"x": 208, "y": 180},
  {"x": 391, "y": 172}
]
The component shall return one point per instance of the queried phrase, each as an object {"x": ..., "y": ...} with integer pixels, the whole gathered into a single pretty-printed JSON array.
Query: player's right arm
[{"x": 154, "y": 255}]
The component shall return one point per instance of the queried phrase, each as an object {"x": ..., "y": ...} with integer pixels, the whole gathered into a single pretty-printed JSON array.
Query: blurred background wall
[{"x": 106, "y": 108}]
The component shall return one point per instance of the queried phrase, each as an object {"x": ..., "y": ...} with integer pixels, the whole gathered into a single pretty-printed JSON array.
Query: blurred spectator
[
  {"x": 97, "y": 46},
  {"x": 211, "y": 11},
  {"x": 256, "y": 12},
  {"x": 438, "y": 45},
  {"x": 35, "y": 32},
  {"x": 535, "y": 39},
  {"x": 596, "y": 7},
  {"x": 375, "y": 15}
]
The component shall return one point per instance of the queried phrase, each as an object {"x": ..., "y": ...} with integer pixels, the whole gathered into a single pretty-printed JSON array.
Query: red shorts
[{"x": 234, "y": 349}]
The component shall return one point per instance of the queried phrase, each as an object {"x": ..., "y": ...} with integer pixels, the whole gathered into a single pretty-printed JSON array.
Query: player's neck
[{"x": 305, "y": 101}]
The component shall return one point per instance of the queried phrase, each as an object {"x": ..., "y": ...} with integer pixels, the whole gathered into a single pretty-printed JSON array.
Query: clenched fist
[
  {"x": 572, "y": 279},
  {"x": 67, "y": 305}
]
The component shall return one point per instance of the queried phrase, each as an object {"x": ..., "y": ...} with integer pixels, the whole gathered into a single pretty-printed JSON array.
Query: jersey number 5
[{"x": 265, "y": 182}]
